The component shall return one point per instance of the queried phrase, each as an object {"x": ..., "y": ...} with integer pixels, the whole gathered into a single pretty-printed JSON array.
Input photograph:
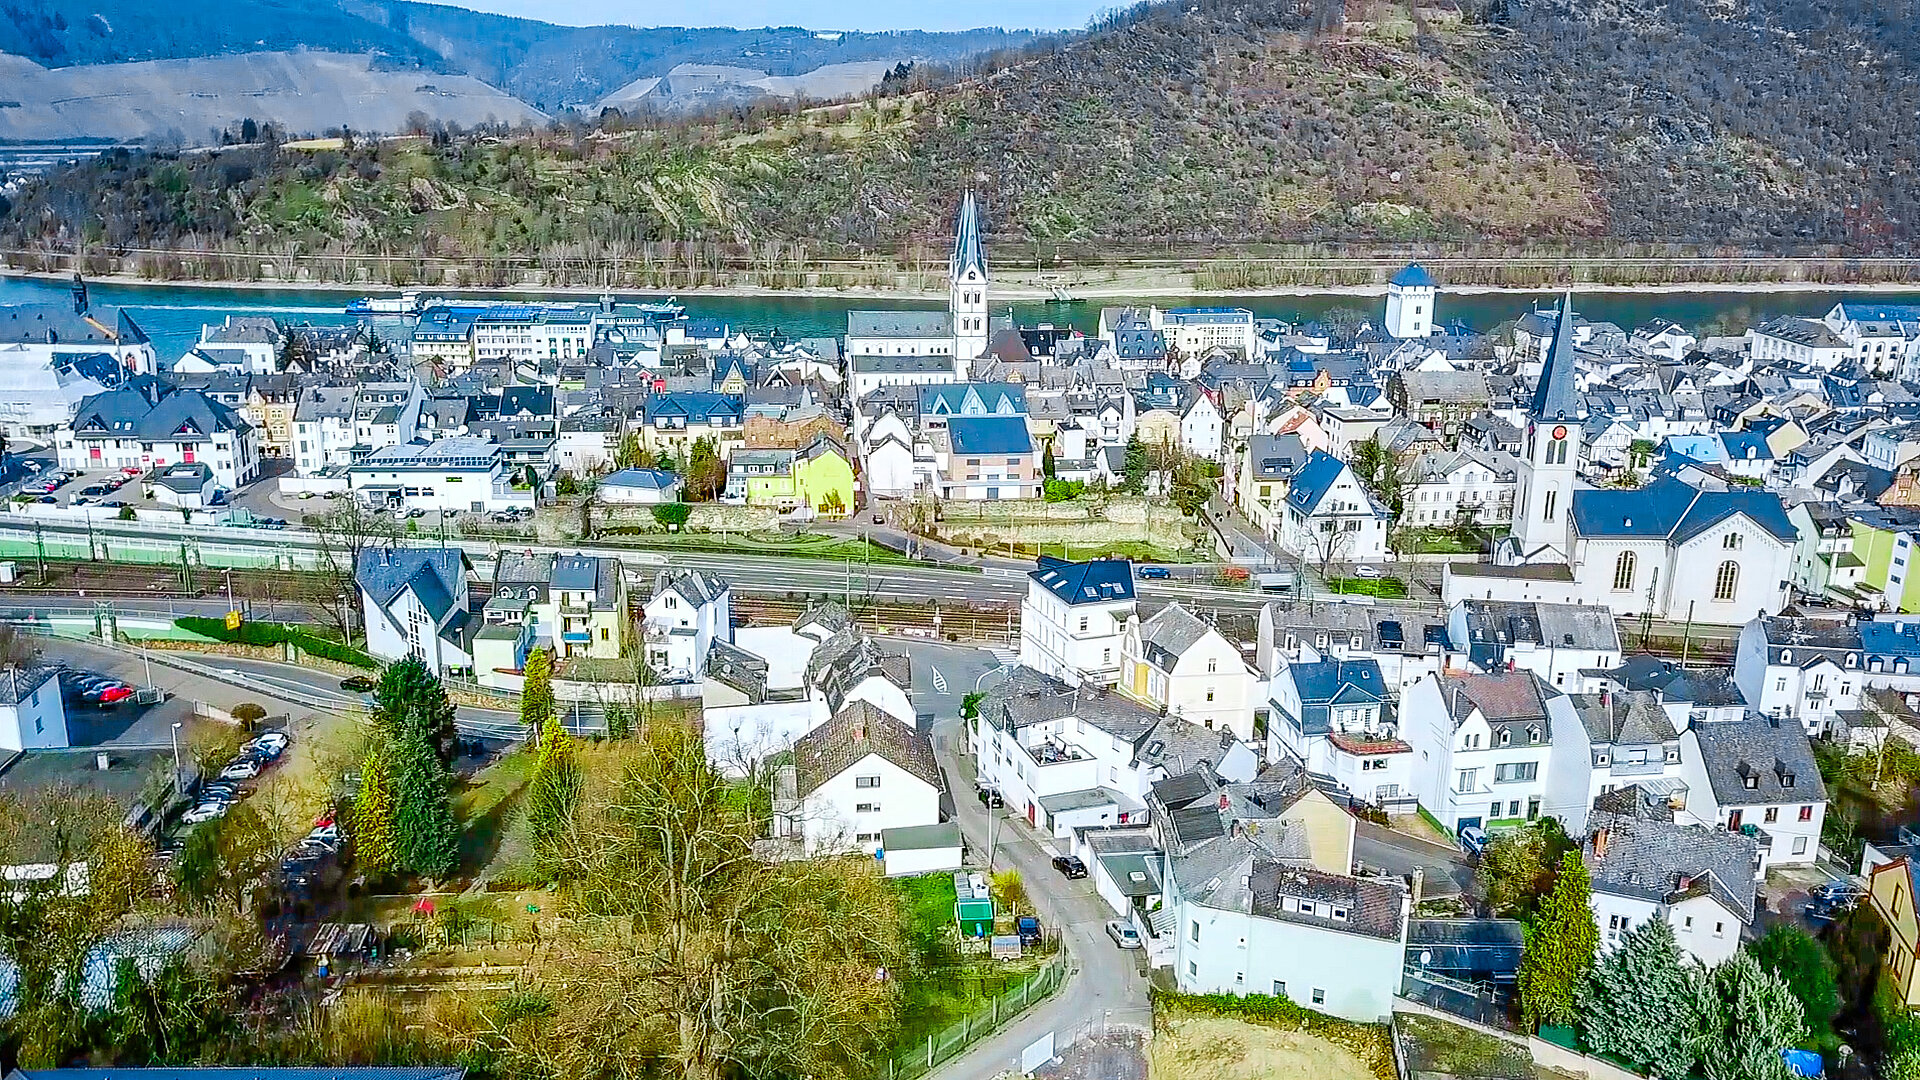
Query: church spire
[
  {"x": 968, "y": 254},
  {"x": 1554, "y": 397}
]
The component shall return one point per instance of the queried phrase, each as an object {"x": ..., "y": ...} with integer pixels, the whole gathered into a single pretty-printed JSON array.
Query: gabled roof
[
  {"x": 697, "y": 587},
  {"x": 1167, "y": 636},
  {"x": 849, "y": 736},
  {"x": 1764, "y": 752},
  {"x": 1097, "y": 581},
  {"x": 1634, "y": 718},
  {"x": 1663, "y": 862},
  {"x": 1363, "y": 906},
  {"x": 1413, "y": 276},
  {"x": 1674, "y": 509},
  {"x": 1501, "y": 697},
  {"x": 437, "y": 576}
]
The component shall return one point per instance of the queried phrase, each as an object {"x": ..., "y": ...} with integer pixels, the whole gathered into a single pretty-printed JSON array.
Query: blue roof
[
  {"x": 1880, "y": 312},
  {"x": 973, "y": 398},
  {"x": 1099, "y": 581},
  {"x": 644, "y": 479},
  {"x": 990, "y": 435},
  {"x": 968, "y": 254},
  {"x": 698, "y": 406},
  {"x": 1326, "y": 680},
  {"x": 1413, "y": 276},
  {"x": 1891, "y": 638},
  {"x": 1314, "y": 480},
  {"x": 1746, "y": 445},
  {"x": 1674, "y": 509},
  {"x": 438, "y": 576}
]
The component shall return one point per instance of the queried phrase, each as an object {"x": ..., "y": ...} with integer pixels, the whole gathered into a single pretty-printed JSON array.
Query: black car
[
  {"x": 1070, "y": 866},
  {"x": 990, "y": 797},
  {"x": 357, "y": 684}
]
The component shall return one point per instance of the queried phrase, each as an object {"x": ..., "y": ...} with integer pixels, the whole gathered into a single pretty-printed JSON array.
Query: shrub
[
  {"x": 265, "y": 633},
  {"x": 672, "y": 515},
  {"x": 248, "y": 713}
]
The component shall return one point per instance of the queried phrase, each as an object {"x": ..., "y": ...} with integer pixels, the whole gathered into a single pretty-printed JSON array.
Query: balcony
[
  {"x": 1054, "y": 752},
  {"x": 1638, "y": 768}
]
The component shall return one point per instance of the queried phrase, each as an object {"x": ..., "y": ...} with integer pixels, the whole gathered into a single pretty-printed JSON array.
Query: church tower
[
  {"x": 1411, "y": 296},
  {"x": 1550, "y": 453},
  {"x": 967, "y": 282}
]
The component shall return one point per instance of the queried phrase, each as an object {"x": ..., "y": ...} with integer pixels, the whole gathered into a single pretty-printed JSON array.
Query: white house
[
  {"x": 1073, "y": 621},
  {"x": 1484, "y": 743},
  {"x": 1330, "y": 517},
  {"x": 638, "y": 487},
  {"x": 1561, "y": 643},
  {"x": 150, "y": 427},
  {"x": 1192, "y": 331},
  {"x": 256, "y": 339},
  {"x": 1757, "y": 773},
  {"x": 415, "y": 602},
  {"x": 1801, "y": 669},
  {"x": 1445, "y": 487},
  {"x": 1330, "y": 716},
  {"x": 858, "y": 773},
  {"x": 1794, "y": 340},
  {"x": 1200, "y": 428},
  {"x": 1184, "y": 667},
  {"x": 1036, "y": 737},
  {"x": 688, "y": 611},
  {"x": 1700, "y": 880},
  {"x": 1607, "y": 742},
  {"x": 323, "y": 428},
  {"x": 1411, "y": 297},
  {"x": 459, "y": 474},
  {"x": 33, "y": 716},
  {"x": 53, "y": 333}
]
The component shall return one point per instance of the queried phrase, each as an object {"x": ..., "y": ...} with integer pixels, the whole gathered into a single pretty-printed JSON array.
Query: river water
[{"x": 173, "y": 315}]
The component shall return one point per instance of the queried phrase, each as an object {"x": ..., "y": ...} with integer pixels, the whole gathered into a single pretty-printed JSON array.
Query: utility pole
[
  {"x": 1686, "y": 636},
  {"x": 40, "y": 546}
]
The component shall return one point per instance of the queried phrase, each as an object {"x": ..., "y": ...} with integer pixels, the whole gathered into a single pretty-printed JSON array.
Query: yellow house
[
  {"x": 823, "y": 476},
  {"x": 1891, "y": 892}
]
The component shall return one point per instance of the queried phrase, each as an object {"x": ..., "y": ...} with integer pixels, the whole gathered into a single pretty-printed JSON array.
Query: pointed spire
[
  {"x": 967, "y": 252},
  {"x": 1554, "y": 397}
]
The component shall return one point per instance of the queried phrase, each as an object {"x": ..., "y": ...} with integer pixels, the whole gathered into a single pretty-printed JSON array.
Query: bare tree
[{"x": 341, "y": 535}]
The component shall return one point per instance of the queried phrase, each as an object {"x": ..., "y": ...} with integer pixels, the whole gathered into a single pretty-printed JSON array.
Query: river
[{"x": 173, "y": 315}]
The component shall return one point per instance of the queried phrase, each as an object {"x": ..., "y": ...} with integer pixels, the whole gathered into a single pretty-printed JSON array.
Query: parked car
[
  {"x": 205, "y": 811},
  {"x": 357, "y": 684},
  {"x": 1820, "y": 912},
  {"x": 990, "y": 797},
  {"x": 1364, "y": 571},
  {"x": 1070, "y": 866},
  {"x": 1151, "y": 573},
  {"x": 1123, "y": 934},
  {"x": 1473, "y": 840},
  {"x": 244, "y": 769},
  {"x": 273, "y": 742},
  {"x": 1028, "y": 928},
  {"x": 1833, "y": 892},
  {"x": 113, "y": 695}
]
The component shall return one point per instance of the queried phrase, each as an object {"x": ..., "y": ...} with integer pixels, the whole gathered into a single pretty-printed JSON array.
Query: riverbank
[{"x": 1008, "y": 287}]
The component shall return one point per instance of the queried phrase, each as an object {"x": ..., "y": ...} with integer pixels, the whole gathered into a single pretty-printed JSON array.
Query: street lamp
[
  {"x": 229, "y": 574},
  {"x": 176, "y": 753}
]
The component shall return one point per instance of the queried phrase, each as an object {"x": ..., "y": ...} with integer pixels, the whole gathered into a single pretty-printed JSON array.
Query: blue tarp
[{"x": 1802, "y": 1062}]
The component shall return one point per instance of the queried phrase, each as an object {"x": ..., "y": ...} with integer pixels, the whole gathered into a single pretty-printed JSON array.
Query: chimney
[{"x": 102, "y": 762}]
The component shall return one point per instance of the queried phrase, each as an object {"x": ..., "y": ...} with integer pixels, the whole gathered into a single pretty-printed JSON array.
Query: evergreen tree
[
  {"x": 1638, "y": 1002},
  {"x": 536, "y": 693},
  {"x": 408, "y": 695},
  {"x": 373, "y": 817},
  {"x": 1047, "y": 466},
  {"x": 1803, "y": 964},
  {"x": 425, "y": 838},
  {"x": 1134, "y": 472},
  {"x": 1749, "y": 1016},
  {"x": 619, "y": 720},
  {"x": 1560, "y": 948},
  {"x": 553, "y": 792}
]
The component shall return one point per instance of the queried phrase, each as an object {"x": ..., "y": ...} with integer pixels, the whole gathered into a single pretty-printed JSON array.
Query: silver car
[{"x": 1123, "y": 934}]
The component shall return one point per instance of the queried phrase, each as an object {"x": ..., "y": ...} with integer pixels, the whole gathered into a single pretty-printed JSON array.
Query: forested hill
[
  {"x": 1191, "y": 127},
  {"x": 548, "y": 66}
]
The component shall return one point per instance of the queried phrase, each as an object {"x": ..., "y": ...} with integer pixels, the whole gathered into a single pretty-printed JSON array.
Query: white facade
[
  {"x": 406, "y": 628},
  {"x": 1200, "y": 429},
  {"x": 1205, "y": 682},
  {"x": 1192, "y": 331},
  {"x": 457, "y": 475},
  {"x": 32, "y": 714},
  {"x": 1410, "y": 309},
  {"x": 1704, "y": 927},
  {"x": 1081, "y": 640},
  {"x": 1475, "y": 771},
  {"x": 1799, "y": 677},
  {"x": 681, "y": 624},
  {"x": 847, "y": 812}
]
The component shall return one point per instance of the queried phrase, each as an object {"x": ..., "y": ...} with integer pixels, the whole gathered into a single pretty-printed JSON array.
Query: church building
[
  {"x": 1713, "y": 553},
  {"x": 919, "y": 348}
]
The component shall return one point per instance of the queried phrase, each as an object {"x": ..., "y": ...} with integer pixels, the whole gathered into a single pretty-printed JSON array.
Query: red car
[{"x": 115, "y": 694}]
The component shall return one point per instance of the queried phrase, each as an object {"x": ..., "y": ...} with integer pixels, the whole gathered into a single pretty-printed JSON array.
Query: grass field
[
  {"x": 486, "y": 808},
  {"x": 1435, "y": 1046},
  {"x": 1384, "y": 588},
  {"x": 1220, "y": 1048},
  {"x": 794, "y": 546}
]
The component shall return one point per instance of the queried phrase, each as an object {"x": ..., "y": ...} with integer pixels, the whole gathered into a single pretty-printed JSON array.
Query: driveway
[{"x": 1106, "y": 990}]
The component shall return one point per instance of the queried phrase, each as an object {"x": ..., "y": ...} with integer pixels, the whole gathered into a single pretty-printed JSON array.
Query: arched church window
[
  {"x": 1726, "y": 581},
  {"x": 1623, "y": 572}
]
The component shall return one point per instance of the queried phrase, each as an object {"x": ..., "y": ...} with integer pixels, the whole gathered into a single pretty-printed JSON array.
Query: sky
[{"x": 812, "y": 14}]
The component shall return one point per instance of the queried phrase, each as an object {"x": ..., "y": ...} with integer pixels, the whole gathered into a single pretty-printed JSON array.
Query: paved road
[{"x": 1106, "y": 989}]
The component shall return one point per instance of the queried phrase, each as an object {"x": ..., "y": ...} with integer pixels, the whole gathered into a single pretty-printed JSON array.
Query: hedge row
[{"x": 265, "y": 633}]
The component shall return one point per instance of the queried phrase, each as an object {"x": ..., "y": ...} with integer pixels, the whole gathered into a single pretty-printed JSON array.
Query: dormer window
[
  {"x": 1853, "y": 660},
  {"x": 1786, "y": 656},
  {"x": 1600, "y": 758},
  {"x": 1533, "y": 735},
  {"x": 1506, "y": 737}
]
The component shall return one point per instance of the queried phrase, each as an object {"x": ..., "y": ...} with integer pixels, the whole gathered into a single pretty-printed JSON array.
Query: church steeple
[
  {"x": 1554, "y": 397},
  {"x": 967, "y": 283}
]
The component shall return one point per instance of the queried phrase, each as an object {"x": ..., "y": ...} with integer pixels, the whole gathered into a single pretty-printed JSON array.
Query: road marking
[{"x": 939, "y": 681}]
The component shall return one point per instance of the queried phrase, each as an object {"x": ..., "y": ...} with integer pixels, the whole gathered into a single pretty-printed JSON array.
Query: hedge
[{"x": 266, "y": 633}]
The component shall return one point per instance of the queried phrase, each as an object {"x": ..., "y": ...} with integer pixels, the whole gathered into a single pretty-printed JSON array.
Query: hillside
[
  {"x": 551, "y": 67},
  {"x": 1195, "y": 128}
]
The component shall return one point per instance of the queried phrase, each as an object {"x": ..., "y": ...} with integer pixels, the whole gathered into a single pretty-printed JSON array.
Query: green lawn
[
  {"x": 485, "y": 807},
  {"x": 943, "y": 986},
  {"x": 1384, "y": 588},
  {"x": 797, "y": 546},
  {"x": 1443, "y": 542}
]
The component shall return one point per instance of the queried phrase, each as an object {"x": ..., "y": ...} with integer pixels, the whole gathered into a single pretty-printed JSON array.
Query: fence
[
  {"x": 1467, "y": 1001},
  {"x": 948, "y": 1043}
]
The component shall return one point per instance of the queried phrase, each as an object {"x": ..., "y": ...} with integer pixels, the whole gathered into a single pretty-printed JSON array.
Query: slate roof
[
  {"x": 438, "y": 576},
  {"x": 696, "y": 587},
  {"x": 1373, "y": 908},
  {"x": 1315, "y": 478},
  {"x": 1501, "y": 697},
  {"x": 1554, "y": 396},
  {"x": 1634, "y": 718},
  {"x": 973, "y": 399},
  {"x": 1026, "y": 697},
  {"x": 829, "y": 615},
  {"x": 1888, "y": 638},
  {"x": 1494, "y": 626},
  {"x": 1328, "y": 683},
  {"x": 989, "y": 435},
  {"x": 1811, "y": 641},
  {"x": 583, "y": 573},
  {"x": 33, "y": 323},
  {"x": 738, "y": 668},
  {"x": 1413, "y": 276},
  {"x": 1764, "y": 751},
  {"x": 1169, "y": 634},
  {"x": 1097, "y": 581},
  {"x": 968, "y": 252},
  {"x": 844, "y": 739},
  {"x": 900, "y": 324},
  {"x": 1275, "y": 457},
  {"x": 1665, "y": 862},
  {"x": 842, "y": 662},
  {"x": 19, "y": 681},
  {"x": 1419, "y": 387},
  {"x": 1675, "y": 510},
  {"x": 179, "y": 416},
  {"x": 696, "y": 406},
  {"x": 641, "y": 479}
]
